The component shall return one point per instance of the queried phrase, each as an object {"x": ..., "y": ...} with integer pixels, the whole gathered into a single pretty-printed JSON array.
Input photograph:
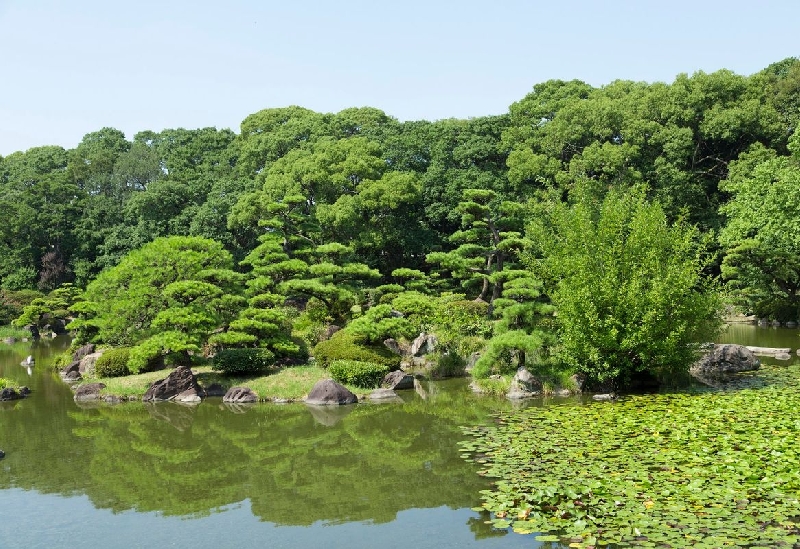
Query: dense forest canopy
[{"x": 340, "y": 212}]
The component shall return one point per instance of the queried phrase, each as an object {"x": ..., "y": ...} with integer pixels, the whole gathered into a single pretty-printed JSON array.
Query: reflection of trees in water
[{"x": 294, "y": 467}]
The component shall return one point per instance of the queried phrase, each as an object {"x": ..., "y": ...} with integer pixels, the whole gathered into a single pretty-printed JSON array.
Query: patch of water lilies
[{"x": 702, "y": 469}]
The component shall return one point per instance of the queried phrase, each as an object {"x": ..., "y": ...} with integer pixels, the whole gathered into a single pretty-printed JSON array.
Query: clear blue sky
[{"x": 71, "y": 67}]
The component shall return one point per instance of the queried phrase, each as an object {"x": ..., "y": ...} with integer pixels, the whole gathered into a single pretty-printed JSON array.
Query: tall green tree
[{"x": 761, "y": 239}]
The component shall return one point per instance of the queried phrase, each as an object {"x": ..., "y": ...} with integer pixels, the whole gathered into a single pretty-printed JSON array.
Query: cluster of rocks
[
  {"x": 9, "y": 393},
  {"x": 414, "y": 356},
  {"x": 83, "y": 361}
]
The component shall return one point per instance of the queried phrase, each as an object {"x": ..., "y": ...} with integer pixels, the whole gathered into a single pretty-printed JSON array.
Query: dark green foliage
[
  {"x": 367, "y": 375},
  {"x": 243, "y": 361},
  {"x": 344, "y": 346},
  {"x": 12, "y": 303},
  {"x": 113, "y": 363}
]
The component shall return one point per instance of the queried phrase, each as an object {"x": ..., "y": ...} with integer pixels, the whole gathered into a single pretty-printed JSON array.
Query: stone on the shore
[
  {"x": 398, "y": 380},
  {"x": 724, "y": 360},
  {"x": 240, "y": 395},
  {"x": 88, "y": 392},
  {"x": 180, "y": 385},
  {"x": 328, "y": 392}
]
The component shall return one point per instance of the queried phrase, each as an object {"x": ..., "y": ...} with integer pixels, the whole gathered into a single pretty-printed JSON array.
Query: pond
[
  {"x": 167, "y": 475},
  {"x": 212, "y": 475}
]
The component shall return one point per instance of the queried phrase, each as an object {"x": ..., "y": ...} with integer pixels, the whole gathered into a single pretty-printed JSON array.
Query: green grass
[
  {"x": 11, "y": 331},
  {"x": 286, "y": 383}
]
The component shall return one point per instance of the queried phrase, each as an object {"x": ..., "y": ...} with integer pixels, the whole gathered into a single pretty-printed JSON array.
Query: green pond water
[{"x": 166, "y": 475}]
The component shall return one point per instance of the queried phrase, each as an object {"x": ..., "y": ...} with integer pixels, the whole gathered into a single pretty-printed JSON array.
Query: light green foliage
[
  {"x": 4, "y": 383},
  {"x": 361, "y": 374},
  {"x": 762, "y": 236},
  {"x": 161, "y": 299},
  {"x": 627, "y": 287},
  {"x": 113, "y": 363},
  {"x": 380, "y": 323},
  {"x": 344, "y": 346},
  {"x": 243, "y": 361}
]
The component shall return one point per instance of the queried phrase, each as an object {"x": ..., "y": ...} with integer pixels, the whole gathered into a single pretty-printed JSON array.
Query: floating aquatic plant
[{"x": 703, "y": 469}]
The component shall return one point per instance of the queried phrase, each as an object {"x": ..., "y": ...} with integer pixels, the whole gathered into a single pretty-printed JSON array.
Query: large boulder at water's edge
[
  {"x": 424, "y": 344},
  {"x": 86, "y": 364},
  {"x": 88, "y": 391},
  {"x": 524, "y": 385},
  {"x": 327, "y": 391},
  {"x": 398, "y": 380},
  {"x": 240, "y": 395},
  {"x": 83, "y": 351},
  {"x": 724, "y": 360},
  {"x": 180, "y": 385}
]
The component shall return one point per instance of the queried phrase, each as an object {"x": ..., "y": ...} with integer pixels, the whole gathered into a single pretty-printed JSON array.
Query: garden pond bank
[{"x": 139, "y": 475}]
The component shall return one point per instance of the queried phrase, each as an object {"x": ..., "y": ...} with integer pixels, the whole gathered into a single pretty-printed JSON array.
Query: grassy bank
[{"x": 291, "y": 383}]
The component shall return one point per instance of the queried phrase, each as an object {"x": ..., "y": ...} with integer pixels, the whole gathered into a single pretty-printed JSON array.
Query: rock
[
  {"x": 327, "y": 391},
  {"x": 393, "y": 346},
  {"x": 329, "y": 331},
  {"x": 473, "y": 358},
  {"x": 791, "y": 324},
  {"x": 74, "y": 366},
  {"x": 113, "y": 399},
  {"x": 526, "y": 381},
  {"x": 725, "y": 360},
  {"x": 384, "y": 395},
  {"x": 9, "y": 340},
  {"x": 604, "y": 397},
  {"x": 28, "y": 361},
  {"x": 215, "y": 390},
  {"x": 86, "y": 365},
  {"x": 524, "y": 385},
  {"x": 2, "y": 454},
  {"x": 424, "y": 344},
  {"x": 240, "y": 395},
  {"x": 34, "y": 330},
  {"x": 189, "y": 396},
  {"x": 88, "y": 391},
  {"x": 579, "y": 380},
  {"x": 563, "y": 393},
  {"x": 398, "y": 381},
  {"x": 73, "y": 376},
  {"x": 181, "y": 381},
  {"x": 9, "y": 394},
  {"x": 783, "y": 356},
  {"x": 769, "y": 351},
  {"x": 24, "y": 391},
  {"x": 82, "y": 351}
]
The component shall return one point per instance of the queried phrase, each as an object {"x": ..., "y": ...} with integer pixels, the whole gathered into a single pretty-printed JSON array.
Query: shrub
[
  {"x": 113, "y": 363},
  {"x": 361, "y": 374},
  {"x": 243, "y": 361},
  {"x": 7, "y": 383},
  {"x": 342, "y": 346},
  {"x": 449, "y": 365}
]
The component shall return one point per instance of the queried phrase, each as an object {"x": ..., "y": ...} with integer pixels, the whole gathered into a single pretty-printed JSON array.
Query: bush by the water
[
  {"x": 343, "y": 346},
  {"x": 361, "y": 374},
  {"x": 113, "y": 363},
  {"x": 7, "y": 383},
  {"x": 243, "y": 361}
]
